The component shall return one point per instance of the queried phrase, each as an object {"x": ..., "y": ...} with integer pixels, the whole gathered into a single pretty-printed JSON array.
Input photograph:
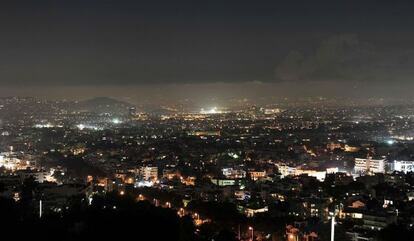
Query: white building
[
  {"x": 11, "y": 162},
  {"x": 320, "y": 175},
  {"x": 149, "y": 173},
  {"x": 233, "y": 173},
  {"x": 369, "y": 165},
  {"x": 251, "y": 212},
  {"x": 286, "y": 170},
  {"x": 297, "y": 171},
  {"x": 403, "y": 166}
]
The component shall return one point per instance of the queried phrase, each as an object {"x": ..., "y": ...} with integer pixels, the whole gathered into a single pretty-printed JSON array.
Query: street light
[
  {"x": 252, "y": 230},
  {"x": 181, "y": 212}
]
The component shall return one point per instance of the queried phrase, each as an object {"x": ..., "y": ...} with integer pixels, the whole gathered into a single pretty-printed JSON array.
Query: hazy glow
[
  {"x": 213, "y": 110},
  {"x": 89, "y": 127},
  {"x": 116, "y": 121}
]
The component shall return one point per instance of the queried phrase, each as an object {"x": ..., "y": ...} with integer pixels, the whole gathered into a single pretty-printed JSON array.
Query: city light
[
  {"x": 211, "y": 111},
  {"x": 212, "y": 120},
  {"x": 116, "y": 121},
  {"x": 252, "y": 233}
]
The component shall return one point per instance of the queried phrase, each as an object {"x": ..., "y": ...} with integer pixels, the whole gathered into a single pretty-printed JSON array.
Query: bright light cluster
[
  {"x": 213, "y": 110},
  {"x": 88, "y": 127}
]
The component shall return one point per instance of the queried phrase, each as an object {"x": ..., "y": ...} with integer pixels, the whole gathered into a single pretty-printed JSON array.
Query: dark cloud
[
  {"x": 345, "y": 58},
  {"x": 112, "y": 42}
]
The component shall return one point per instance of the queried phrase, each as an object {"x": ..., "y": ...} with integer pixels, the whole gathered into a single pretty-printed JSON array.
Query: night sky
[{"x": 114, "y": 44}]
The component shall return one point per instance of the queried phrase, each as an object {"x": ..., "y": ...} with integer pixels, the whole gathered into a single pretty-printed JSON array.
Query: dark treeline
[
  {"x": 113, "y": 216},
  {"x": 109, "y": 217}
]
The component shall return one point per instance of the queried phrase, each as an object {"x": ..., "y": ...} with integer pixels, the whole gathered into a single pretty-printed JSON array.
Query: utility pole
[
  {"x": 333, "y": 228},
  {"x": 40, "y": 209}
]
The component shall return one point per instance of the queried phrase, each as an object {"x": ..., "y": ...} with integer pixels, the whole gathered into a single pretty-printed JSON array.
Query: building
[
  {"x": 286, "y": 170},
  {"x": 170, "y": 173},
  {"x": 295, "y": 234},
  {"x": 251, "y": 212},
  {"x": 10, "y": 162},
  {"x": 292, "y": 233},
  {"x": 320, "y": 175},
  {"x": 403, "y": 166},
  {"x": 297, "y": 171},
  {"x": 357, "y": 236},
  {"x": 256, "y": 175},
  {"x": 242, "y": 195},
  {"x": 149, "y": 173},
  {"x": 352, "y": 149},
  {"x": 224, "y": 182},
  {"x": 231, "y": 173},
  {"x": 332, "y": 146},
  {"x": 369, "y": 165},
  {"x": 377, "y": 221}
]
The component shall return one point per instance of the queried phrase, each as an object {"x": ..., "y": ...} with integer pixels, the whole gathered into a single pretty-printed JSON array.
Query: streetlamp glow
[{"x": 252, "y": 230}]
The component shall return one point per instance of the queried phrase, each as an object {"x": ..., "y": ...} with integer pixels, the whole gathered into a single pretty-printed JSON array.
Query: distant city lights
[
  {"x": 213, "y": 110},
  {"x": 116, "y": 121},
  {"x": 88, "y": 127},
  {"x": 390, "y": 142}
]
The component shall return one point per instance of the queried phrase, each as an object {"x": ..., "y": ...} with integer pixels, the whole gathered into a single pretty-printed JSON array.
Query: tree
[
  {"x": 28, "y": 190},
  {"x": 225, "y": 235},
  {"x": 394, "y": 232},
  {"x": 2, "y": 188}
]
